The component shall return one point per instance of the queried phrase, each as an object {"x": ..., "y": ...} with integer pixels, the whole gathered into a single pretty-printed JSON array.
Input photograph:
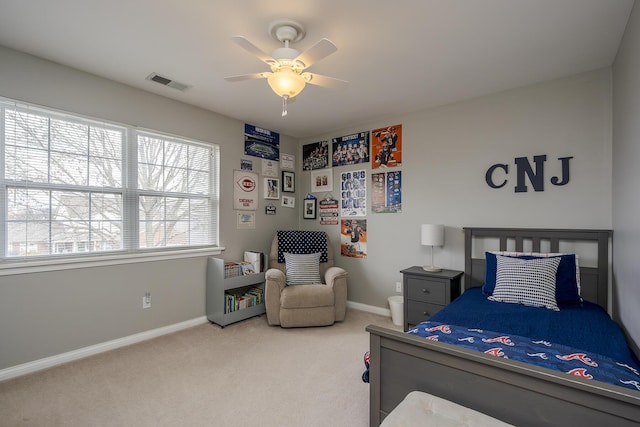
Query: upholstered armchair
[{"x": 303, "y": 287}]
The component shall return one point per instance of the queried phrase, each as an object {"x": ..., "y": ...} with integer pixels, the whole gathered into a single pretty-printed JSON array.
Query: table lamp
[{"x": 432, "y": 235}]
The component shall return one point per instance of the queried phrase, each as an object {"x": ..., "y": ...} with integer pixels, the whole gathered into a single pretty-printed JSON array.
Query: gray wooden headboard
[{"x": 594, "y": 281}]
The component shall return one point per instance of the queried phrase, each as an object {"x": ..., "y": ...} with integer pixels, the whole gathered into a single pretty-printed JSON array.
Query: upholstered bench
[{"x": 422, "y": 409}]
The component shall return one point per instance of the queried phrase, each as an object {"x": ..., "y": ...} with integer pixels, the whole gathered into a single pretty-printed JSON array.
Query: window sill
[{"x": 39, "y": 266}]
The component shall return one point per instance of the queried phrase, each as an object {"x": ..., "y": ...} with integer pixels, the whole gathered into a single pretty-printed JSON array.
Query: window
[
  {"x": 174, "y": 192},
  {"x": 70, "y": 185}
]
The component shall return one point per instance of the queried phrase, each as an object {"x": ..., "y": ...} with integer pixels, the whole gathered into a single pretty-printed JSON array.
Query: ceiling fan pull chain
[{"x": 284, "y": 105}]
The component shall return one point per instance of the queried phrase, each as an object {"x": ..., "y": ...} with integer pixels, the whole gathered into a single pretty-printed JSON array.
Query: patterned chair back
[{"x": 301, "y": 242}]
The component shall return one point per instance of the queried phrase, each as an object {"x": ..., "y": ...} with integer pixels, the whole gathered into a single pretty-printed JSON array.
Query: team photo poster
[
  {"x": 350, "y": 149},
  {"x": 315, "y": 156}
]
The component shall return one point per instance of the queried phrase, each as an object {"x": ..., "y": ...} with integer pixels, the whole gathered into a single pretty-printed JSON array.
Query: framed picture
[
  {"x": 288, "y": 201},
  {"x": 246, "y": 220},
  {"x": 309, "y": 208},
  {"x": 287, "y": 161},
  {"x": 288, "y": 182},
  {"x": 322, "y": 180},
  {"x": 272, "y": 188},
  {"x": 246, "y": 165}
]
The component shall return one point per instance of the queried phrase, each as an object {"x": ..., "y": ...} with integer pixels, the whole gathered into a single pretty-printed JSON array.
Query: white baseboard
[
  {"x": 369, "y": 308},
  {"x": 48, "y": 362}
]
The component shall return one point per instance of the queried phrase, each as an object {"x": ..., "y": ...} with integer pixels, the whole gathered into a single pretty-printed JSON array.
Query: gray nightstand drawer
[
  {"x": 427, "y": 292},
  {"x": 421, "y": 289},
  {"x": 421, "y": 311}
]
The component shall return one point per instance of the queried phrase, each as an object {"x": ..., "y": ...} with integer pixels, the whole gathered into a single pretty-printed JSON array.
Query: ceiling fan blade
[
  {"x": 324, "y": 81},
  {"x": 316, "y": 52},
  {"x": 247, "y": 77},
  {"x": 252, "y": 49}
]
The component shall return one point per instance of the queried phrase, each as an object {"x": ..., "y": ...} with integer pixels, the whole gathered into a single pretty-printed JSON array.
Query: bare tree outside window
[
  {"x": 64, "y": 182},
  {"x": 181, "y": 172}
]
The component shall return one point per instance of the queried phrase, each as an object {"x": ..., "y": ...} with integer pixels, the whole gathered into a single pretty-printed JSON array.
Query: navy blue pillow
[{"x": 566, "y": 284}]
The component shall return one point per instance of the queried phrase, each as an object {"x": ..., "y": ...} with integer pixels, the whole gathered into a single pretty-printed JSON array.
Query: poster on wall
[
  {"x": 328, "y": 211},
  {"x": 353, "y": 238},
  {"x": 315, "y": 156},
  {"x": 386, "y": 147},
  {"x": 259, "y": 142},
  {"x": 353, "y": 191},
  {"x": 350, "y": 149},
  {"x": 245, "y": 190},
  {"x": 386, "y": 192}
]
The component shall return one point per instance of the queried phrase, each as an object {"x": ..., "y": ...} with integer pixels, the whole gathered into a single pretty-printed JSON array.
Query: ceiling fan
[{"x": 288, "y": 77}]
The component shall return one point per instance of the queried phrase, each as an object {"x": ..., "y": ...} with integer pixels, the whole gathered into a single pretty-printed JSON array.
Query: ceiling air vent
[{"x": 155, "y": 77}]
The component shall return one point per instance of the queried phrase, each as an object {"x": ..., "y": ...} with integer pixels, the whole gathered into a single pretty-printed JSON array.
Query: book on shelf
[
  {"x": 230, "y": 269},
  {"x": 234, "y": 301},
  {"x": 247, "y": 268},
  {"x": 234, "y": 269},
  {"x": 229, "y": 303},
  {"x": 255, "y": 258},
  {"x": 257, "y": 293},
  {"x": 242, "y": 302}
]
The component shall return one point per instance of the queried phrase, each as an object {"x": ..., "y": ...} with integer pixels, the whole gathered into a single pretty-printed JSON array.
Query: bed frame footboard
[{"x": 511, "y": 391}]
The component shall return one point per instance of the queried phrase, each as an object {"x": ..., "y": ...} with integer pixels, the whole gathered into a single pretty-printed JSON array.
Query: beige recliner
[{"x": 299, "y": 305}]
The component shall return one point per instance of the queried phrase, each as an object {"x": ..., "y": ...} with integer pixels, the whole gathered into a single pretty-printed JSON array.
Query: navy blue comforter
[
  {"x": 587, "y": 326},
  {"x": 580, "y": 340}
]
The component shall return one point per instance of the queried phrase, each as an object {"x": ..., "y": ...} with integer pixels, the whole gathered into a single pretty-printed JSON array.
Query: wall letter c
[{"x": 489, "y": 175}]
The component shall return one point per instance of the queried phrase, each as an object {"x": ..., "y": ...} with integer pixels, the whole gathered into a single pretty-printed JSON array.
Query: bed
[{"x": 510, "y": 390}]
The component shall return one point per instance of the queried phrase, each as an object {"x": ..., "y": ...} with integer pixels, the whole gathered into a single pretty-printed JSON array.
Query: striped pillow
[
  {"x": 302, "y": 269},
  {"x": 530, "y": 282}
]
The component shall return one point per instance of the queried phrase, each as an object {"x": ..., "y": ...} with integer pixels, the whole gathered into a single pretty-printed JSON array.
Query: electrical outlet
[
  {"x": 398, "y": 287},
  {"x": 146, "y": 300}
]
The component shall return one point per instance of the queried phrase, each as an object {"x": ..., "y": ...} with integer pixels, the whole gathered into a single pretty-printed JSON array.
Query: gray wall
[
  {"x": 446, "y": 152},
  {"x": 44, "y": 314},
  {"x": 626, "y": 176}
]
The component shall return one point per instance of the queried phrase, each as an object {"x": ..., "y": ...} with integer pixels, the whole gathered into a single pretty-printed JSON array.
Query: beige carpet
[{"x": 246, "y": 374}]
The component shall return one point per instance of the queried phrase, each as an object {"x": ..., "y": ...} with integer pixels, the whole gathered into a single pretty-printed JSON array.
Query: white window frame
[{"x": 130, "y": 252}]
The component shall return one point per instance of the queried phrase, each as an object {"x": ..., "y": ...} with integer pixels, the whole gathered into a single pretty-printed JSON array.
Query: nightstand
[{"x": 426, "y": 293}]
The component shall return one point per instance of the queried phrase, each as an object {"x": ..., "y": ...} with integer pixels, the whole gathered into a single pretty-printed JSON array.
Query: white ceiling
[{"x": 399, "y": 56}]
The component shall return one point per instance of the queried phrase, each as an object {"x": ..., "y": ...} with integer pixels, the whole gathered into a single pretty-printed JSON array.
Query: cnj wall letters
[{"x": 525, "y": 170}]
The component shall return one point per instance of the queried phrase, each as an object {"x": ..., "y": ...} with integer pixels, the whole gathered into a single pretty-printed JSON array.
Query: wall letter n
[{"x": 524, "y": 167}]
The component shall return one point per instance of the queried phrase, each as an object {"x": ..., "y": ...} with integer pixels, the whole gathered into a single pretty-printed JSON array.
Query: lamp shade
[
  {"x": 432, "y": 235},
  {"x": 286, "y": 82}
]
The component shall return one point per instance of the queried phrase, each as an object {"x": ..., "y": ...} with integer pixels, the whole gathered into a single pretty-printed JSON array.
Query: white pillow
[
  {"x": 530, "y": 282},
  {"x": 544, "y": 255},
  {"x": 302, "y": 269}
]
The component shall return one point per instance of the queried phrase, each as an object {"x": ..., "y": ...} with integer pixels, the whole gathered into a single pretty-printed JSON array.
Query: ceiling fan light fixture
[
  {"x": 288, "y": 77},
  {"x": 286, "y": 82}
]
